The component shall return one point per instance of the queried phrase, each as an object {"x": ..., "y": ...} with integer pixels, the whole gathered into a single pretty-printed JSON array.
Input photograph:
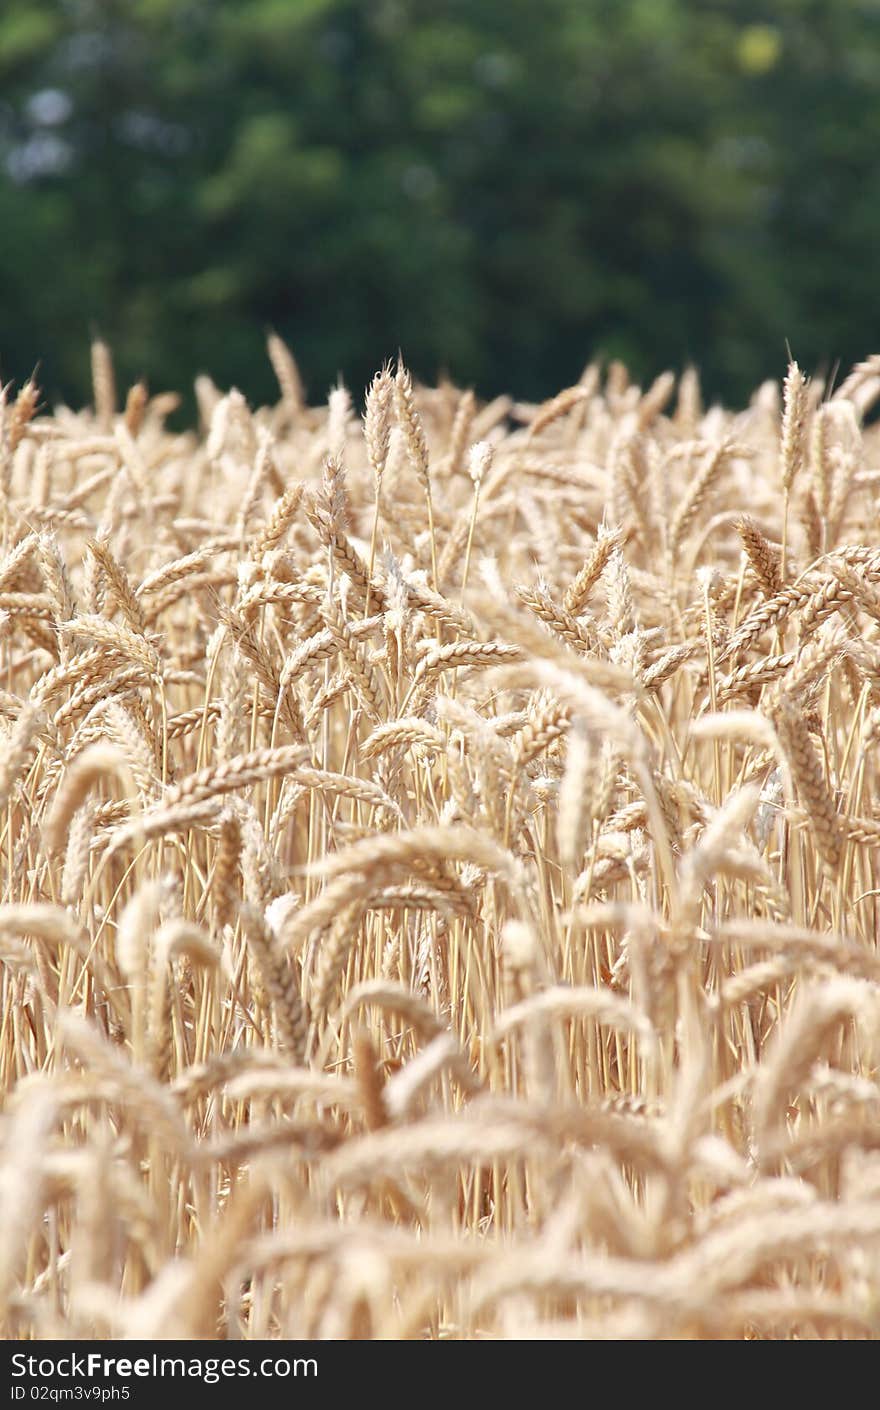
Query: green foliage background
[{"x": 500, "y": 187}]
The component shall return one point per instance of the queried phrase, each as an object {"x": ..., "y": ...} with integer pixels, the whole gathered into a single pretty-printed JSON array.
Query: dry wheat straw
[{"x": 440, "y": 878}]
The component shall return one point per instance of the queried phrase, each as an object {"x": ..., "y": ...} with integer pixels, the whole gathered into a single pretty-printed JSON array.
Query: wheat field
[{"x": 439, "y": 863}]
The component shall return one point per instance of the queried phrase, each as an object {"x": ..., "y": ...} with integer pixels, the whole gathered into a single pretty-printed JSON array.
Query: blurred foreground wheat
[{"x": 439, "y": 864}]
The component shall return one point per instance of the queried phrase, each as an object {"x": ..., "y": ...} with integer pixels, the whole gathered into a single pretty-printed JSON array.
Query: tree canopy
[{"x": 503, "y": 189}]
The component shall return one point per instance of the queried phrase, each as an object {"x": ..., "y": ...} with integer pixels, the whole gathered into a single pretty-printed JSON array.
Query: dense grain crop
[{"x": 439, "y": 863}]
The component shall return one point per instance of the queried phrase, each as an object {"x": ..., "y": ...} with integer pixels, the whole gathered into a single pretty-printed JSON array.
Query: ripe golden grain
[{"x": 446, "y": 902}]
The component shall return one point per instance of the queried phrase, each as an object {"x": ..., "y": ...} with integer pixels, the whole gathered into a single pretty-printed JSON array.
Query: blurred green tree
[{"x": 500, "y": 188}]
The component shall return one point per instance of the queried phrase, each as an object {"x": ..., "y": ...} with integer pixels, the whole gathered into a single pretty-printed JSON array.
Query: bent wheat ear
[
  {"x": 810, "y": 783},
  {"x": 279, "y": 981},
  {"x": 94, "y": 763},
  {"x": 286, "y": 370}
]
